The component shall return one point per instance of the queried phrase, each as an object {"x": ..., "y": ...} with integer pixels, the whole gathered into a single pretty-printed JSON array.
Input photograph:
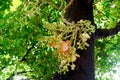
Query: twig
[
  {"x": 63, "y": 12},
  {"x": 28, "y": 51}
]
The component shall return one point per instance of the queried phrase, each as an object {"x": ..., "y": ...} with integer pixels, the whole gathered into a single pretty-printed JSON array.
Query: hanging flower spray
[
  {"x": 69, "y": 38},
  {"x": 66, "y": 38}
]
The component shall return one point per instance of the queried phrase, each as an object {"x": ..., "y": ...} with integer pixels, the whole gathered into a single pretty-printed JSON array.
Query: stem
[{"x": 63, "y": 12}]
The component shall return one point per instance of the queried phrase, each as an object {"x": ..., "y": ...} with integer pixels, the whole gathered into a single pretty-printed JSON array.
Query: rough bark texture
[{"x": 81, "y": 9}]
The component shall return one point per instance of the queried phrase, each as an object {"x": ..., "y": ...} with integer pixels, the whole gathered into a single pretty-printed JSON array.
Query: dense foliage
[{"x": 24, "y": 48}]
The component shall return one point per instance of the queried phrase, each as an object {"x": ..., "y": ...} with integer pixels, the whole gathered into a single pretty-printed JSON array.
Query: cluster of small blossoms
[
  {"x": 66, "y": 54},
  {"x": 66, "y": 39},
  {"x": 84, "y": 37}
]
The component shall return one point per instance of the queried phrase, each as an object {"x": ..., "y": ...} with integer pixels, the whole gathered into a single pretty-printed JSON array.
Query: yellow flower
[
  {"x": 63, "y": 62},
  {"x": 65, "y": 68},
  {"x": 72, "y": 67},
  {"x": 84, "y": 37},
  {"x": 73, "y": 58}
]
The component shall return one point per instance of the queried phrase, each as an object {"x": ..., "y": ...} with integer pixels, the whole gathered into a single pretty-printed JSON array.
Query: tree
[
  {"x": 83, "y": 9},
  {"x": 24, "y": 37}
]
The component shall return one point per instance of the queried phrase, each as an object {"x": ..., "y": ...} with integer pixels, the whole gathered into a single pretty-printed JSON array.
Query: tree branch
[
  {"x": 28, "y": 51},
  {"x": 103, "y": 33}
]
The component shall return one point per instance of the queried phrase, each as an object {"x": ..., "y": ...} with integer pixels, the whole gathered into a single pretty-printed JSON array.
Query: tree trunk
[{"x": 81, "y": 9}]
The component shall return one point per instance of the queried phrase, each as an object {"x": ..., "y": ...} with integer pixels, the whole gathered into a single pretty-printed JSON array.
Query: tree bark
[
  {"x": 81, "y": 9},
  {"x": 103, "y": 33}
]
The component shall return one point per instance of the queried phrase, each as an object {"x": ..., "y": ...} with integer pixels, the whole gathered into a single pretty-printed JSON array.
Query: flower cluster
[
  {"x": 66, "y": 54},
  {"x": 66, "y": 39}
]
